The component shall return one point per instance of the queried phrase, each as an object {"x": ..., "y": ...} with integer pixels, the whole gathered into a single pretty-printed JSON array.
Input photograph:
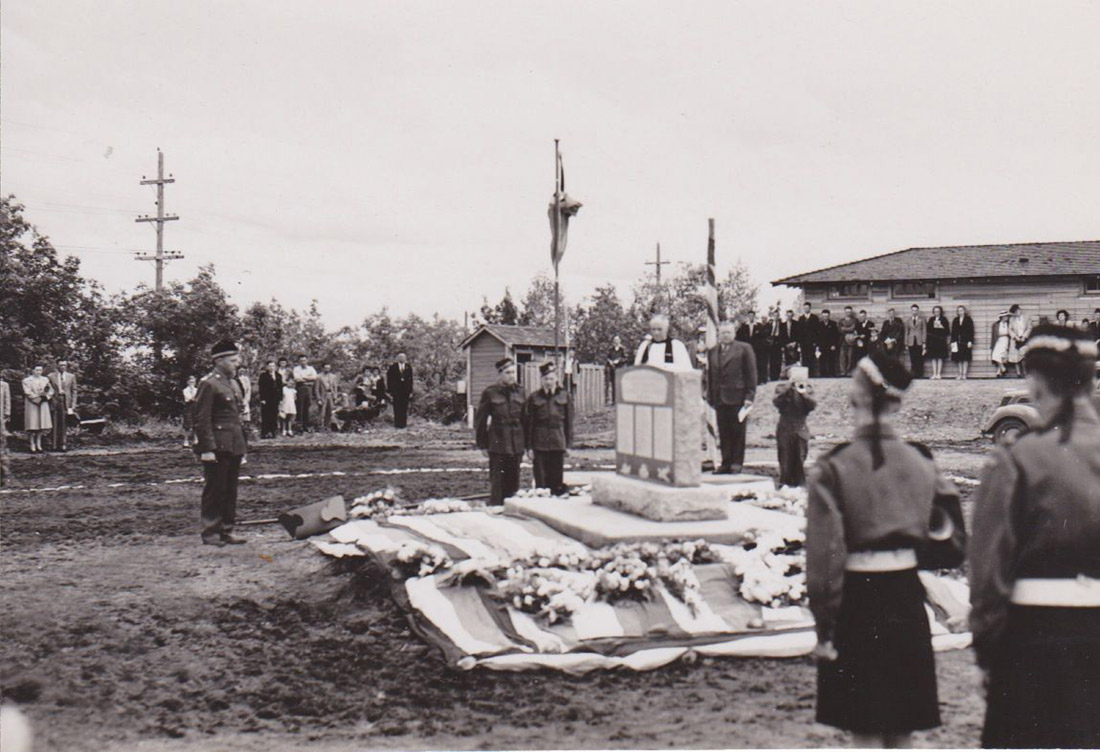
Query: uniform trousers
[
  {"x": 503, "y": 476},
  {"x": 731, "y": 437},
  {"x": 549, "y": 472},
  {"x": 219, "y": 494},
  {"x": 269, "y": 418},
  {"x": 303, "y": 401},
  {"x": 401, "y": 412}
]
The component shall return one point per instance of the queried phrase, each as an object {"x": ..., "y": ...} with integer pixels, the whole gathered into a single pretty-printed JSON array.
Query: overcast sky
[{"x": 401, "y": 153}]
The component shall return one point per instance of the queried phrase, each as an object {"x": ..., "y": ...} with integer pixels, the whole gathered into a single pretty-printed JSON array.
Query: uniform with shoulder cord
[
  {"x": 548, "y": 425},
  {"x": 498, "y": 425}
]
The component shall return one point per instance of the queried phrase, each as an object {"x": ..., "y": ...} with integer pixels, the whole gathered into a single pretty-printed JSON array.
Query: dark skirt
[
  {"x": 188, "y": 415},
  {"x": 964, "y": 354},
  {"x": 1044, "y": 689},
  {"x": 937, "y": 346},
  {"x": 884, "y": 680}
]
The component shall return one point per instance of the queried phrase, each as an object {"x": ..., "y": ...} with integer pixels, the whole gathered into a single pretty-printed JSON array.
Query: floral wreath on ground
[
  {"x": 789, "y": 499},
  {"x": 387, "y": 502}
]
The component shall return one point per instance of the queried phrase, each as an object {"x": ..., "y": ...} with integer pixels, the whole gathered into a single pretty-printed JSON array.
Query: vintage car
[{"x": 1015, "y": 415}]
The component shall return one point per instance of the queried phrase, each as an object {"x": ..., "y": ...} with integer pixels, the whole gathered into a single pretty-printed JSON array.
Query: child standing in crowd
[
  {"x": 287, "y": 407},
  {"x": 1035, "y": 560},
  {"x": 870, "y": 504},
  {"x": 795, "y": 401},
  {"x": 189, "y": 392}
]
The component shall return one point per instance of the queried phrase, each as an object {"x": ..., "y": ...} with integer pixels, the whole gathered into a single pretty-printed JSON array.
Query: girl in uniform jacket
[
  {"x": 1035, "y": 559},
  {"x": 870, "y": 505},
  {"x": 962, "y": 341}
]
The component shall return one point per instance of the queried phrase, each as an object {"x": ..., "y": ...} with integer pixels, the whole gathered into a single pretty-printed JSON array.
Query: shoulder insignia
[{"x": 920, "y": 448}]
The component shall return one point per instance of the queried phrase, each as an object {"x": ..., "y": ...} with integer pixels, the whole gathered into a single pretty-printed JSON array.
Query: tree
[
  {"x": 595, "y": 324},
  {"x": 538, "y": 303},
  {"x": 184, "y": 321},
  {"x": 504, "y": 312}
]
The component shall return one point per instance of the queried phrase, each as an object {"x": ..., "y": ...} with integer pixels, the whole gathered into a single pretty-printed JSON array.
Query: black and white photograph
[{"x": 526, "y": 375}]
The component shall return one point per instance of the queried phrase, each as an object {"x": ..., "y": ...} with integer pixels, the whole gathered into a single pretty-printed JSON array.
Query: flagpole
[{"x": 557, "y": 238}]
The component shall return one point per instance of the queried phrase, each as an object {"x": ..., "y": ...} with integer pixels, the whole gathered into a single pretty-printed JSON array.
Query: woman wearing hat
[
  {"x": 1001, "y": 342},
  {"x": 870, "y": 504},
  {"x": 1035, "y": 559}
]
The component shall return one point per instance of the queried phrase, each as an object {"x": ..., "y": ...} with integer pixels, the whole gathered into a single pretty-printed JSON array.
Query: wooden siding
[
  {"x": 589, "y": 393},
  {"x": 482, "y": 355},
  {"x": 1038, "y": 297}
]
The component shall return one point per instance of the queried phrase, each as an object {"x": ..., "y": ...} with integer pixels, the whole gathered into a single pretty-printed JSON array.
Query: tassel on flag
[{"x": 561, "y": 209}]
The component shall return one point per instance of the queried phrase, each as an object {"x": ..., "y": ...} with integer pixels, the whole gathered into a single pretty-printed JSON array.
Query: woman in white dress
[
  {"x": 1001, "y": 342},
  {"x": 287, "y": 409},
  {"x": 37, "y": 421}
]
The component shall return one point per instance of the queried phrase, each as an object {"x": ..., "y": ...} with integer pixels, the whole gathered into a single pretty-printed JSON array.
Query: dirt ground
[{"x": 121, "y": 632}]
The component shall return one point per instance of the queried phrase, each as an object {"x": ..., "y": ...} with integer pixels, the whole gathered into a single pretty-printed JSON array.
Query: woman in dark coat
[
  {"x": 870, "y": 504},
  {"x": 936, "y": 343},
  {"x": 962, "y": 341},
  {"x": 795, "y": 401},
  {"x": 1035, "y": 559}
]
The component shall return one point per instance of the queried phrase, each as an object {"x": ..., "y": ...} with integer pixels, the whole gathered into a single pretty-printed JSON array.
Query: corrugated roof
[
  {"x": 965, "y": 261},
  {"x": 523, "y": 336}
]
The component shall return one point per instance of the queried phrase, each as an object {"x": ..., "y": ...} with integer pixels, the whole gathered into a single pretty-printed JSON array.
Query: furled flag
[{"x": 561, "y": 209}]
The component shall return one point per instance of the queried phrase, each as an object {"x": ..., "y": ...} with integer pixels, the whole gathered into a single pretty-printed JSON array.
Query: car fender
[{"x": 1025, "y": 412}]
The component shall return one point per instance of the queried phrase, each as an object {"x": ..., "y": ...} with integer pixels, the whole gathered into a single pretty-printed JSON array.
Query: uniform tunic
[
  {"x": 548, "y": 425},
  {"x": 792, "y": 437},
  {"x": 498, "y": 423},
  {"x": 884, "y": 680},
  {"x": 1038, "y": 516},
  {"x": 218, "y": 429}
]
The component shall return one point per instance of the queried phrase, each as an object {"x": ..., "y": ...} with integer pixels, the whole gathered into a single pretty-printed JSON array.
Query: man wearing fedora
[
  {"x": 221, "y": 444},
  {"x": 498, "y": 423},
  {"x": 548, "y": 425}
]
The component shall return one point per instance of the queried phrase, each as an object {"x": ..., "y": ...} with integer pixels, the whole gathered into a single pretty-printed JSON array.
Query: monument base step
[
  {"x": 598, "y": 526},
  {"x": 656, "y": 501}
]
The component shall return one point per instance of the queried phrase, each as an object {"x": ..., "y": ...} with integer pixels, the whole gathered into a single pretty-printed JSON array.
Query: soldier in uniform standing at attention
[
  {"x": 548, "y": 425},
  {"x": 221, "y": 444},
  {"x": 498, "y": 424},
  {"x": 1035, "y": 559}
]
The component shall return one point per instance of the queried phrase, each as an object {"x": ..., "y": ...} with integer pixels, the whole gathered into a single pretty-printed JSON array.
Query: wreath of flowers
[
  {"x": 386, "y": 502},
  {"x": 772, "y": 567},
  {"x": 789, "y": 499},
  {"x": 544, "y": 493},
  {"x": 421, "y": 559}
]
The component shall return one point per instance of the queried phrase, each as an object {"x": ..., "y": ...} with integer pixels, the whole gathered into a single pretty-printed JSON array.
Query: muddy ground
[{"x": 121, "y": 632}]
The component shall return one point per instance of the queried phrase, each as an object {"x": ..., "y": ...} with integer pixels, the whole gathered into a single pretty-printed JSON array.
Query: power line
[{"x": 161, "y": 257}]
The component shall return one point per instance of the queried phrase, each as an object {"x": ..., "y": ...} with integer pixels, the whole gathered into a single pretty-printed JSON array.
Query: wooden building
[
  {"x": 1041, "y": 277},
  {"x": 491, "y": 342}
]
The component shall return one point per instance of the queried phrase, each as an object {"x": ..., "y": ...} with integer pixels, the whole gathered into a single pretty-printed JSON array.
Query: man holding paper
[{"x": 731, "y": 386}]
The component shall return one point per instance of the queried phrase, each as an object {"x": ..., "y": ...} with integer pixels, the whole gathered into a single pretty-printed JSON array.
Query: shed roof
[
  {"x": 529, "y": 336},
  {"x": 965, "y": 261}
]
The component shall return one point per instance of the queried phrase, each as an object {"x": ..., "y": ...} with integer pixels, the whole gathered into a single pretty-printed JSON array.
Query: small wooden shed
[
  {"x": 491, "y": 342},
  {"x": 1041, "y": 277}
]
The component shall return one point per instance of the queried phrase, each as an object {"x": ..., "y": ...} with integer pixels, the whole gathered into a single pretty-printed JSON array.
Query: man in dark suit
[
  {"x": 399, "y": 384},
  {"x": 806, "y": 332},
  {"x": 221, "y": 444},
  {"x": 893, "y": 335},
  {"x": 828, "y": 341},
  {"x": 271, "y": 393},
  {"x": 731, "y": 386},
  {"x": 744, "y": 329},
  {"x": 760, "y": 331},
  {"x": 498, "y": 426},
  {"x": 548, "y": 426},
  {"x": 779, "y": 335}
]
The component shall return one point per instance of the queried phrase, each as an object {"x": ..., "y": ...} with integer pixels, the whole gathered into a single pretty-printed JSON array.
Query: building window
[
  {"x": 925, "y": 290},
  {"x": 849, "y": 291},
  {"x": 1092, "y": 285}
]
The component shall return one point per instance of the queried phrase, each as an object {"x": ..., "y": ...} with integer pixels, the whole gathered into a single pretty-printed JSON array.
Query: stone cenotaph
[{"x": 658, "y": 449}]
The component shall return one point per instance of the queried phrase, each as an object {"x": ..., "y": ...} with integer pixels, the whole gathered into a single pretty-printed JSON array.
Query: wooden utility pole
[
  {"x": 160, "y": 257},
  {"x": 658, "y": 263}
]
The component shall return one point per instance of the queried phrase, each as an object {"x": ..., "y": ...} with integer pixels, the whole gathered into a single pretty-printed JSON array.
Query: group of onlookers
[
  {"x": 830, "y": 347},
  {"x": 299, "y": 398},
  {"x": 49, "y": 400}
]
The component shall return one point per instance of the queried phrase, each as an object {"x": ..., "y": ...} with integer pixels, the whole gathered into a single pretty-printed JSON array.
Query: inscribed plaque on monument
[{"x": 658, "y": 423}]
